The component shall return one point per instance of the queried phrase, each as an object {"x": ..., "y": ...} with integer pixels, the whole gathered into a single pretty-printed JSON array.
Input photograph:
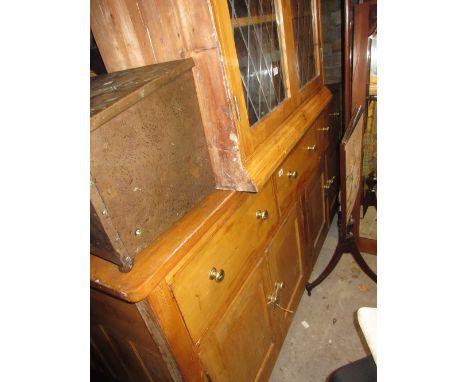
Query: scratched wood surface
[
  {"x": 113, "y": 93},
  {"x": 149, "y": 162}
]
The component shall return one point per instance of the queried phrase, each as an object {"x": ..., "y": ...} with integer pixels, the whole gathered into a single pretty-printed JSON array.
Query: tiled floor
[{"x": 333, "y": 337}]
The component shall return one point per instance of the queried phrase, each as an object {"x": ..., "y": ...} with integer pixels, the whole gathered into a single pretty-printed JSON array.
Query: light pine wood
[
  {"x": 197, "y": 329},
  {"x": 233, "y": 247},
  {"x": 134, "y": 33},
  {"x": 301, "y": 160},
  {"x": 277, "y": 146},
  {"x": 286, "y": 263},
  {"x": 310, "y": 88},
  {"x": 160, "y": 257},
  {"x": 243, "y": 345},
  {"x": 223, "y": 331}
]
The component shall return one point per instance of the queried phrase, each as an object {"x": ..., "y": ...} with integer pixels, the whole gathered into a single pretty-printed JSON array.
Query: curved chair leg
[
  {"x": 362, "y": 263},
  {"x": 329, "y": 268},
  {"x": 348, "y": 246}
]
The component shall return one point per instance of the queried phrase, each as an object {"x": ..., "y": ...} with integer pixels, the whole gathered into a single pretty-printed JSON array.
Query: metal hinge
[{"x": 236, "y": 106}]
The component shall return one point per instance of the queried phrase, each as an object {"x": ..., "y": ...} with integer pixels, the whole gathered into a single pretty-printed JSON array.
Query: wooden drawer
[
  {"x": 233, "y": 245},
  {"x": 301, "y": 160}
]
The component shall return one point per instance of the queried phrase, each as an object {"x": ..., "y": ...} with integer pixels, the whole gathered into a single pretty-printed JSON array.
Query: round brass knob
[
  {"x": 292, "y": 174},
  {"x": 216, "y": 275},
  {"x": 312, "y": 148},
  {"x": 262, "y": 215}
]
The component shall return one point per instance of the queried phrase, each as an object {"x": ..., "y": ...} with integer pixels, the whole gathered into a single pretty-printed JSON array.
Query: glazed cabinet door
[
  {"x": 242, "y": 346},
  {"x": 312, "y": 215},
  {"x": 286, "y": 265}
]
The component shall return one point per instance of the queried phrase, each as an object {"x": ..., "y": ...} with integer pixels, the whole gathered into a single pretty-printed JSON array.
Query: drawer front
[
  {"x": 290, "y": 174},
  {"x": 228, "y": 250}
]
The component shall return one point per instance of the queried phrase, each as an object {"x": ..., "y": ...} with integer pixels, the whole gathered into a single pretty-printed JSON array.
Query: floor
[
  {"x": 324, "y": 333},
  {"x": 368, "y": 224}
]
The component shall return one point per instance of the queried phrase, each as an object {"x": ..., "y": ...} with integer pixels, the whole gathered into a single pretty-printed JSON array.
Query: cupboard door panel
[
  {"x": 313, "y": 215},
  {"x": 241, "y": 347},
  {"x": 332, "y": 177},
  {"x": 286, "y": 268}
]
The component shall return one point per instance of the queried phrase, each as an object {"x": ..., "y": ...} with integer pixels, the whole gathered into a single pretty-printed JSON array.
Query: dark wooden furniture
[
  {"x": 350, "y": 172},
  {"x": 145, "y": 123},
  {"x": 360, "y": 22}
]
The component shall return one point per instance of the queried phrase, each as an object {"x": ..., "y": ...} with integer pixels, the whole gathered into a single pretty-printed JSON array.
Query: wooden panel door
[
  {"x": 286, "y": 265},
  {"x": 312, "y": 215},
  {"x": 243, "y": 344},
  {"x": 332, "y": 179},
  {"x": 122, "y": 347}
]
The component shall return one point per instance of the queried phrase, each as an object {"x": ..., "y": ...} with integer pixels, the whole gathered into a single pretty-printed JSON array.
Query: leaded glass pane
[
  {"x": 257, "y": 42},
  {"x": 305, "y": 41}
]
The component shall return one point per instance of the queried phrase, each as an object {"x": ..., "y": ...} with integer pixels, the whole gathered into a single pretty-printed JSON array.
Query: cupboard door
[
  {"x": 286, "y": 265},
  {"x": 332, "y": 182},
  {"x": 313, "y": 215},
  {"x": 242, "y": 346}
]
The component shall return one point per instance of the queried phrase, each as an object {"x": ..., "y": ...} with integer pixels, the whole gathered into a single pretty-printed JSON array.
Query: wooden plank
[
  {"x": 224, "y": 145},
  {"x": 133, "y": 33}
]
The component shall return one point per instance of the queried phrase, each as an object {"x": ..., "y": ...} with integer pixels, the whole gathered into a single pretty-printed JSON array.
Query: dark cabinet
[{"x": 313, "y": 215}]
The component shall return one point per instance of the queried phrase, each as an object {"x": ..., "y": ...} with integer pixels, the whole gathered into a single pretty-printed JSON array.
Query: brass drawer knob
[
  {"x": 312, "y": 148},
  {"x": 262, "y": 215},
  {"x": 292, "y": 174},
  {"x": 216, "y": 275},
  {"x": 324, "y": 128}
]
